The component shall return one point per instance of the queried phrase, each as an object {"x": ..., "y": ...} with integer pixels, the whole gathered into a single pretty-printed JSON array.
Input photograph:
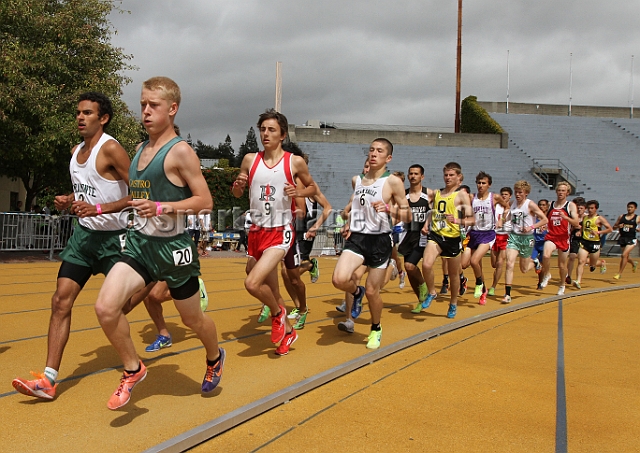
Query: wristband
[
  {"x": 158, "y": 208},
  {"x": 99, "y": 208},
  {"x": 387, "y": 206}
]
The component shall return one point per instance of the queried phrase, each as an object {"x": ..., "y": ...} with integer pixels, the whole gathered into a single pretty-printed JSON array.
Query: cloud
[{"x": 372, "y": 62}]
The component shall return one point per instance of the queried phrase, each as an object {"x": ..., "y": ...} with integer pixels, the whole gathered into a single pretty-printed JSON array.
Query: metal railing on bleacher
[{"x": 20, "y": 232}]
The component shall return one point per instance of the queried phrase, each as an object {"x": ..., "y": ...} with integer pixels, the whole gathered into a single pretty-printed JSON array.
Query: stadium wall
[
  {"x": 351, "y": 136},
  {"x": 556, "y": 109}
]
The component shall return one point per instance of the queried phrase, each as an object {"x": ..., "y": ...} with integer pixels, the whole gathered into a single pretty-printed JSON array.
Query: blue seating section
[{"x": 592, "y": 148}]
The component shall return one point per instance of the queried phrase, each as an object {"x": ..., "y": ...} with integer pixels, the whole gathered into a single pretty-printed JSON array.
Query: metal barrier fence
[
  {"x": 21, "y": 232},
  {"x": 328, "y": 241}
]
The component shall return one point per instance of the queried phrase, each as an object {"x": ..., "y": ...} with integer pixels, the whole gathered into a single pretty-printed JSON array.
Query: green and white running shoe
[
  {"x": 302, "y": 318},
  {"x": 295, "y": 314},
  {"x": 264, "y": 314},
  {"x": 314, "y": 272}
]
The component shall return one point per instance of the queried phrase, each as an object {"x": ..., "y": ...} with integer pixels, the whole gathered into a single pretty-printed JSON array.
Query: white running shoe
[
  {"x": 561, "y": 291},
  {"x": 545, "y": 280},
  {"x": 394, "y": 269}
]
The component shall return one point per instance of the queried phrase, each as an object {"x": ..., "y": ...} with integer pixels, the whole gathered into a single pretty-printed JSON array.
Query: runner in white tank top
[
  {"x": 520, "y": 243},
  {"x": 499, "y": 248},
  {"x": 99, "y": 172},
  {"x": 270, "y": 176},
  {"x": 482, "y": 235},
  {"x": 377, "y": 195}
]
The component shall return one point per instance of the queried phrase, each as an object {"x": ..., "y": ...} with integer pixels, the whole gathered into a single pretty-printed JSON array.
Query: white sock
[{"x": 51, "y": 374}]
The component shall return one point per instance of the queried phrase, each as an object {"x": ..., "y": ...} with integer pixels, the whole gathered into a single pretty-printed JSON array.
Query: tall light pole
[
  {"x": 570, "y": 80},
  {"x": 458, "y": 68},
  {"x": 507, "y": 81},
  {"x": 278, "y": 105},
  {"x": 631, "y": 88}
]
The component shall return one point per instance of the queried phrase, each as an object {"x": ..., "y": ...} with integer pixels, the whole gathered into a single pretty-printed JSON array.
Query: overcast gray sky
[{"x": 379, "y": 62}]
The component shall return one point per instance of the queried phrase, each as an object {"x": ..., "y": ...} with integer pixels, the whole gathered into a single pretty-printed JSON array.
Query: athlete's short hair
[
  {"x": 170, "y": 89},
  {"x": 579, "y": 201},
  {"x": 104, "y": 104},
  {"x": 593, "y": 202},
  {"x": 465, "y": 188},
  {"x": 272, "y": 114},
  {"x": 452, "y": 166},
  {"x": 522, "y": 185},
  {"x": 541, "y": 200},
  {"x": 419, "y": 167},
  {"x": 507, "y": 189},
  {"x": 387, "y": 143},
  {"x": 565, "y": 183},
  {"x": 633, "y": 203},
  {"x": 483, "y": 175},
  {"x": 399, "y": 174}
]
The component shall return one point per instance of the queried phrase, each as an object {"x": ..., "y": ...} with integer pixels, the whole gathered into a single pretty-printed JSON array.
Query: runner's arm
[
  {"x": 326, "y": 212},
  {"x": 237, "y": 189},
  {"x": 607, "y": 227}
]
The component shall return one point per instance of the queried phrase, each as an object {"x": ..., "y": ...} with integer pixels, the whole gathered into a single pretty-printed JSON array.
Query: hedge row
[
  {"x": 219, "y": 181},
  {"x": 475, "y": 120}
]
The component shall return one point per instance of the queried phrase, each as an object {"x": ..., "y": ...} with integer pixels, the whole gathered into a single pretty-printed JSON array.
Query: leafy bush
[
  {"x": 475, "y": 120},
  {"x": 219, "y": 181}
]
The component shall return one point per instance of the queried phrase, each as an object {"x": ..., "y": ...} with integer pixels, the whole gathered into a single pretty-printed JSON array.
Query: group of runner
[{"x": 135, "y": 234}]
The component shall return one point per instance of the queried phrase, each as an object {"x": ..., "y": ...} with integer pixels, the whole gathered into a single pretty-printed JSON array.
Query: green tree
[
  {"x": 250, "y": 145},
  {"x": 204, "y": 151},
  {"x": 50, "y": 52},
  {"x": 219, "y": 182},
  {"x": 225, "y": 150}
]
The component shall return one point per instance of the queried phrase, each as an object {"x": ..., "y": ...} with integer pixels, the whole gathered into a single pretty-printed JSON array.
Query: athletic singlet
[
  {"x": 270, "y": 206},
  {"x": 558, "y": 226},
  {"x": 590, "y": 228},
  {"x": 419, "y": 210},
  {"x": 443, "y": 205},
  {"x": 152, "y": 183},
  {"x": 364, "y": 218},
  {"x": 506, "y": 224},
  {"x": 483, "y": 210},
  {"x": 90, "y": 186},
  {"x": 627, "y": 227},
  {"x": 521, "y": 216}
]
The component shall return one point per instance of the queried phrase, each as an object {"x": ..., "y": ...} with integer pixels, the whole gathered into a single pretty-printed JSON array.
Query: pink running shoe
[
  {"x": 483, "y": 297},
  {"x": 40, "y": 387},
  {"x": 122, "y": 395}
]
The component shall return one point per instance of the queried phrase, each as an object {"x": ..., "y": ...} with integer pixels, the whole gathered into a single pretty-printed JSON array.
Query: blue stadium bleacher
[
  {"x": 602, "y": 152},
  {"x": 334, "y": 164}
]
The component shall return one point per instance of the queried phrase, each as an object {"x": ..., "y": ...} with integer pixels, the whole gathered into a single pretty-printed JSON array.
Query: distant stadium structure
[{"x": 596, "y": 150}]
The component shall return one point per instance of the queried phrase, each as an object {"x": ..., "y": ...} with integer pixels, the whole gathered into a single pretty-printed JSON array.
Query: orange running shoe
[
  {"x": 40, "y": 387},
  {"x": 122, "y": 395}
]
